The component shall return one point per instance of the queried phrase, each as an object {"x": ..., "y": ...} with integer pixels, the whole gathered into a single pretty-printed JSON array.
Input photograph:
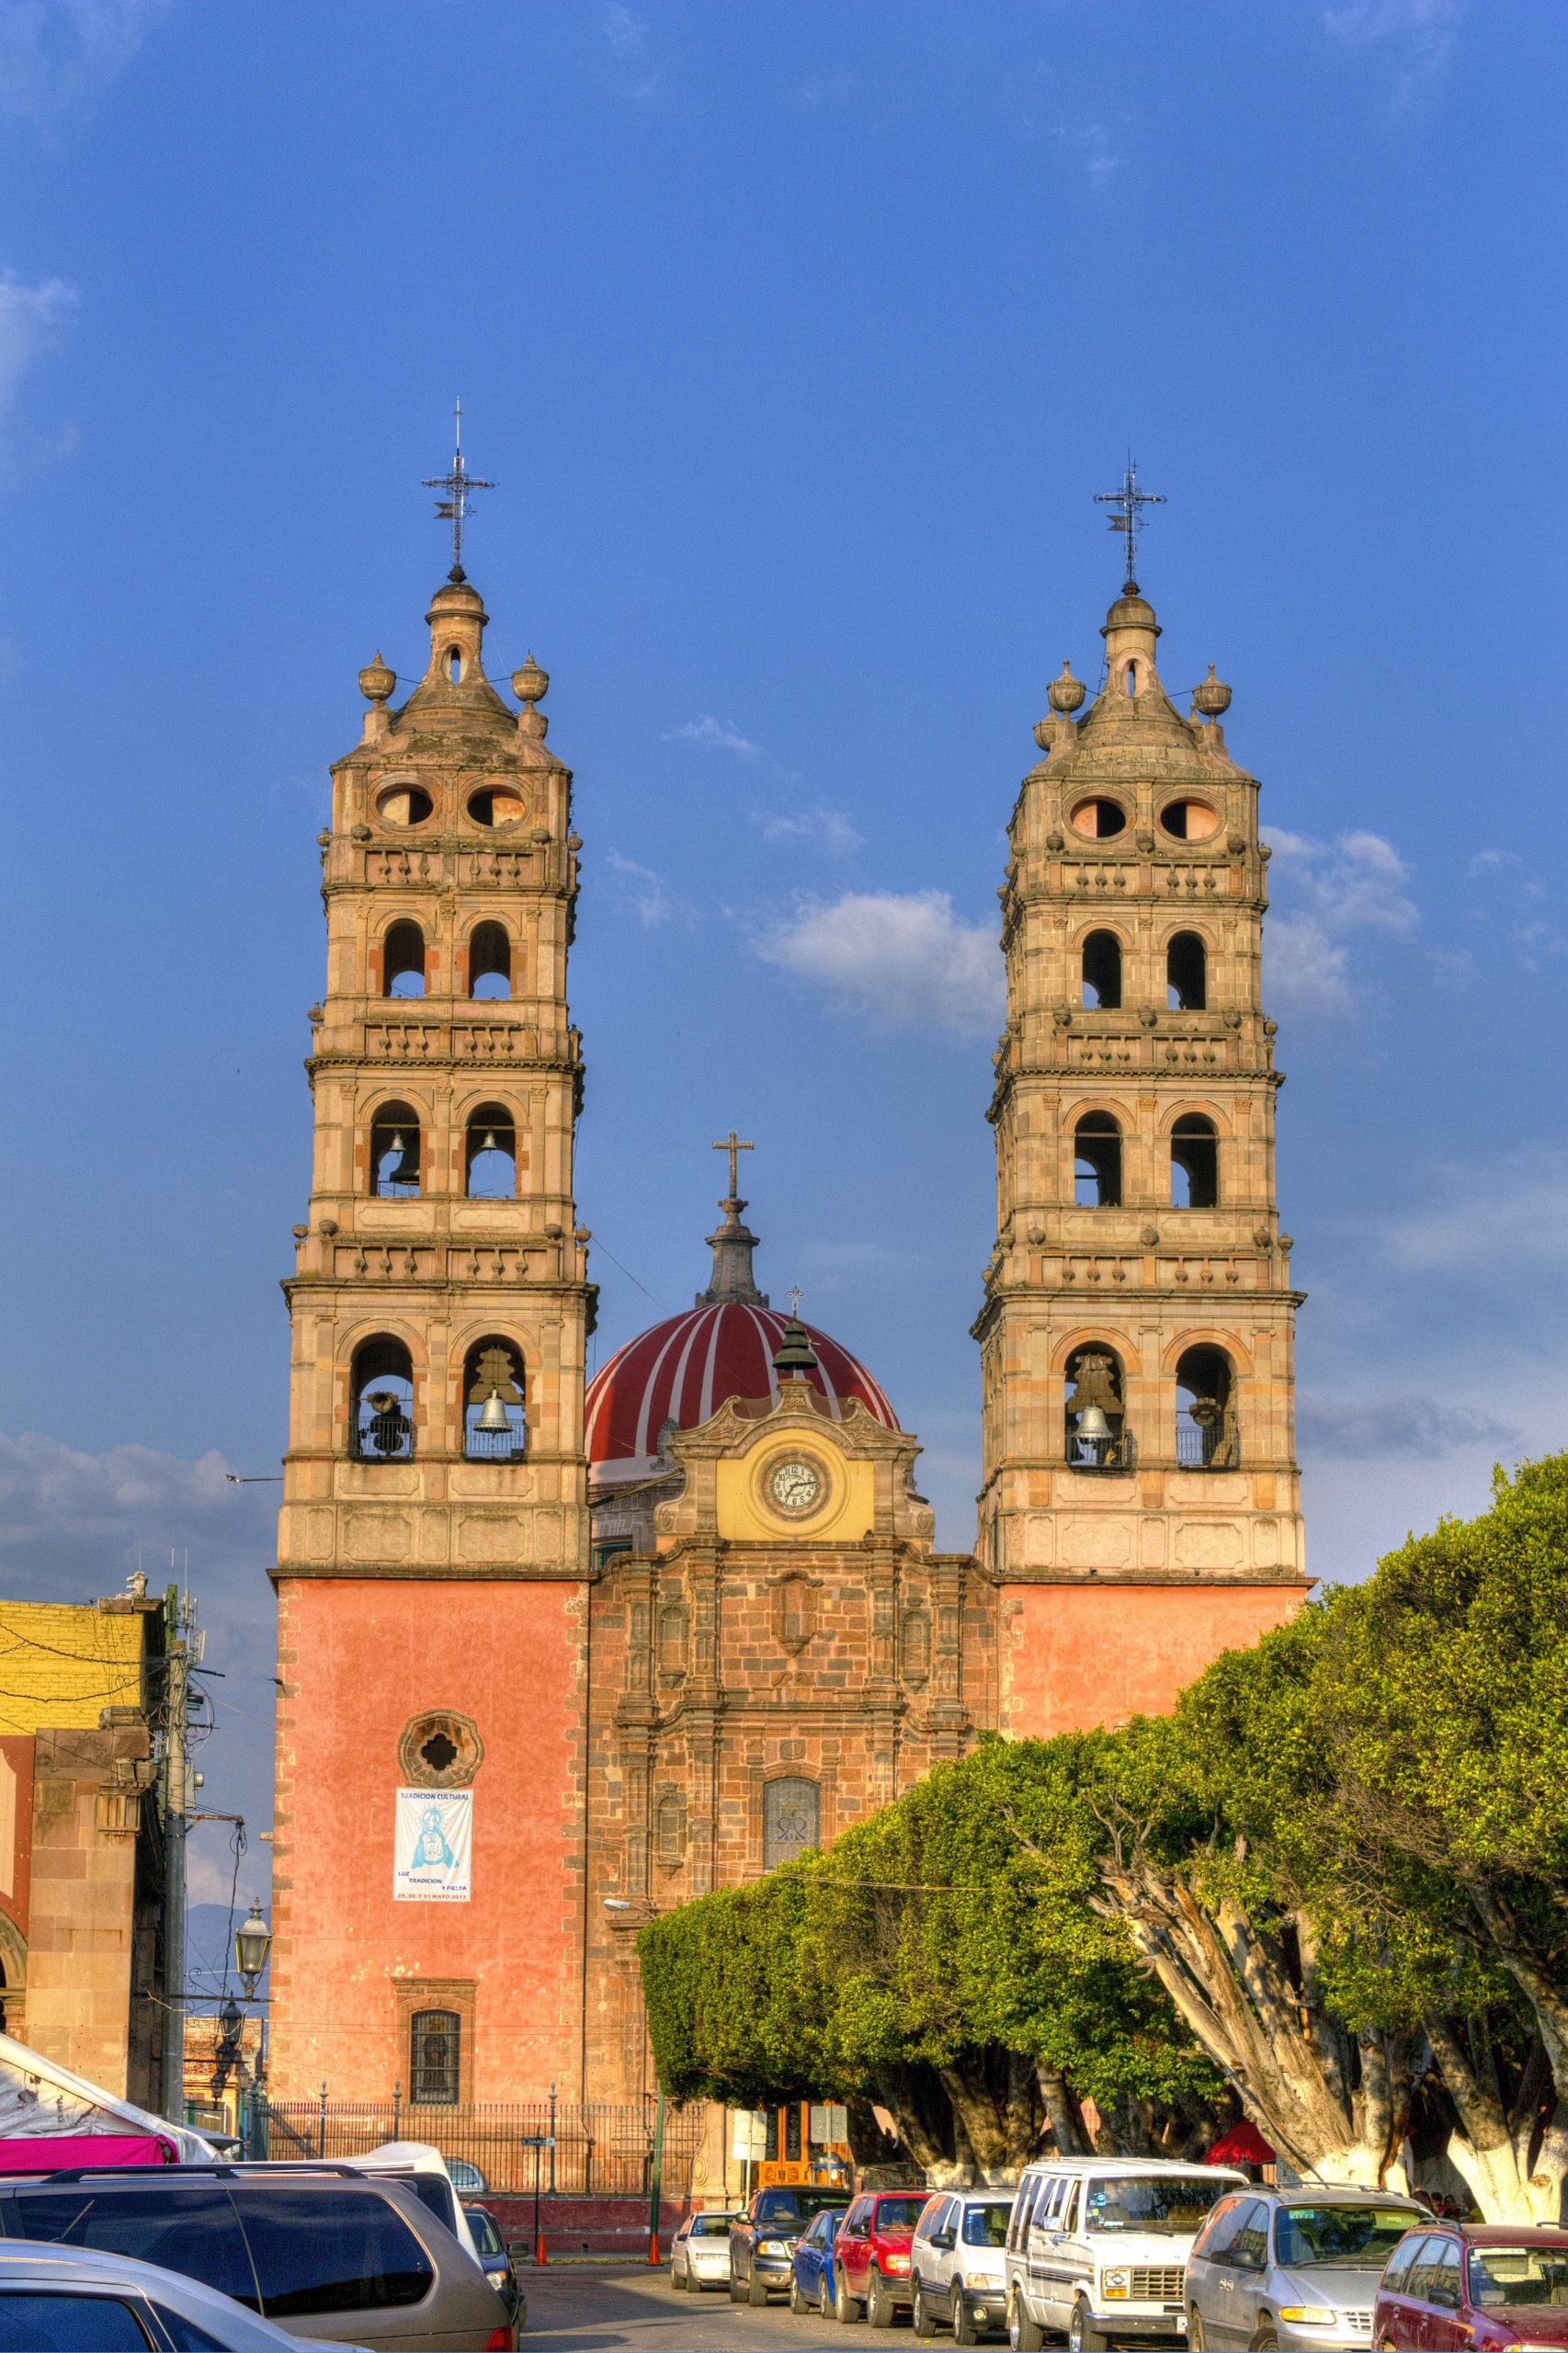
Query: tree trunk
[
  {"x": 1490, "y": 2149},
  {"x": 1065, "y": 2116},
  {"x": 915, "y": 2100},
  {"x": 995, "y": 2099}
]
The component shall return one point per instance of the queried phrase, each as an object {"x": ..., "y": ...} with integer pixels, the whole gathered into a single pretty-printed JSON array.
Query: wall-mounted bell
[
  {"x": 1092, "y": 1426},
  {"x": 493, "y": 1416}
]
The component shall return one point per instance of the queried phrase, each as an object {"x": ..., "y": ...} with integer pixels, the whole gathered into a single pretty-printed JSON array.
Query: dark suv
[
  {"x": 321, "y": 2250},
  {"x": 762, "y": 2240}
]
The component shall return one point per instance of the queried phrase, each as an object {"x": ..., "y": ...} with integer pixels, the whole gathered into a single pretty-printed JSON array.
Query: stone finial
[
  {"x": 376, "y": 680},
  {"x": 530, "y": 685},
  {"x": 1066, "y": 693},
  {"x": 1212, "y": 695}
]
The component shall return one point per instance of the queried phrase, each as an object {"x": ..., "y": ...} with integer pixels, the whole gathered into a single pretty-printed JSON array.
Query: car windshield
[
  {"x": 794, "y": 2205},
  {"x": 711, "y": 2226},
  {"x": 486, "y": 2236},
  {"x": 1518, "y": 2275},
  {"x": 986, "y": 2225},
  {"x": 901, "y": 2213},
  {"x": 1358, "y": 2237},
  {"x": 1168, "y": 2203}
]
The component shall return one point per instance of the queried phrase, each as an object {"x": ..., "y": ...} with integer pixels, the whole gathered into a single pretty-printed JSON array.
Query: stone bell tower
[
  {"x": 1140, "y": 1502},
  {"x": 432, "y": 1540}
]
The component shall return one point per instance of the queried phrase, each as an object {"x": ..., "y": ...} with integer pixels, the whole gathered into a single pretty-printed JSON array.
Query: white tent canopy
[{"x": 39, "y": 2097}]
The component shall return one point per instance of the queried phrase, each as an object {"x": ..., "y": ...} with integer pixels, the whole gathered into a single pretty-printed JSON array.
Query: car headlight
[
  {"x": 773, "y": 2247},
  {"x": 1314, "y": 2316},
  {"x": 1116, "y": 2283},
  {"x": 898, "y": 2263}
]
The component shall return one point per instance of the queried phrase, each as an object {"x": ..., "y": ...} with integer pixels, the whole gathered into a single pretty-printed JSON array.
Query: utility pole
[{"x": 179, "y": 1621}]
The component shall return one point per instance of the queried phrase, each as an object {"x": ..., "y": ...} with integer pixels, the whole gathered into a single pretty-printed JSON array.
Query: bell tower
[
  {"x": 1139, "y": 1503},
  {"x": 432, "y": 1543}
]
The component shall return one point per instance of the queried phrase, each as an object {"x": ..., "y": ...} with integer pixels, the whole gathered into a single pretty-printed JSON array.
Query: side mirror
[{"x": 944, "y": 2239}]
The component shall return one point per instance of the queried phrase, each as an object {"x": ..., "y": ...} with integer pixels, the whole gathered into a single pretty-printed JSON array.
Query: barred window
[{"x": 435, "y": 2052}]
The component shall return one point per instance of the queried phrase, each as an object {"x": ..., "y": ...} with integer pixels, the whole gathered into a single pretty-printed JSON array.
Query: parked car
[
  {"x": 871, "y": 2257},
  {"x": 762, "y": 2240},
  {"x": 496, "y": 2260},
  {"x": 700, "y": 2252},
  {"x": 1492, "y": 2286},
  {"x": 430, "y": 2177},
  {"x": 1098, "y": 2247},
  {"x": 320, "y": 2249},
  {"x": 956, "y": 2270},
  {"x": 810, "y": 2267},
  {"x": 1293, "y": 2267},
  {"x": 80, "y": 2301}
]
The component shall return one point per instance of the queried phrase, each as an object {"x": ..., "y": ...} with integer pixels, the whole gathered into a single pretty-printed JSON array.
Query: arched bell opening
[
  {"x": 1097, "y": 1162},
  {"x": 381, "y": 1402},
  {"x": 394, "y": 1153},
  {"x": 1195, "y": 1163},
  {"x": 1206, "y": 1433},
  {"x": 1187, "y": 973},
  {"x": 491, "y": 1154},
  {"x": 1101, "y": 977},
  {"x": 494, "y": 1402},
  {"x": 1097, "y": 1437},
  {"x": 489, "y": 961},
  {"x": 403, "y": 961}
]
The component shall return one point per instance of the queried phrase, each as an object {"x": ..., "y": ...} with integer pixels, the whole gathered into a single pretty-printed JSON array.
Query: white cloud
[
  {"x": 1414, "y": 1428},
  {"x": 31, "y": 320},
  {"x": 1507, "y": 1218},
  {"x": 637, "y": 76},
  {"x": 1333, "y": 891},
  {"x": 825, "y": 90},
  {"x": 1090, "y": 143},
  {"x": 714, "y": 736},
  {"x": 56, "y": 55},
  {"x": 1416, "y": 36},
  {"x": 830, "y": 828},
  {"x": 645, "y": 891},
  {"x": 1492, "y": 861},
  {"x": 902, "y": 959}
]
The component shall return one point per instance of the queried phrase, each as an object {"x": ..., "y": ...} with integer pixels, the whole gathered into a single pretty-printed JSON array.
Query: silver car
[
  {"x": 957, "y": 2275},
  {"x": 78, "y": 2295},
  {"x": 700, "y": 2252},
  {"x": 1293, "y": 2267}
]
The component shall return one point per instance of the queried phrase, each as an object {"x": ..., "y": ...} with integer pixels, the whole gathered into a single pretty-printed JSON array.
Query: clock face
[{"x": 795, "y": 1485}]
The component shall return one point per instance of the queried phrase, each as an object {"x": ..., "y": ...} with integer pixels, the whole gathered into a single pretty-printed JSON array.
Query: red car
[
  {"x": 871, "y": 2255},
  {"x": 1492, "y": 2287}
]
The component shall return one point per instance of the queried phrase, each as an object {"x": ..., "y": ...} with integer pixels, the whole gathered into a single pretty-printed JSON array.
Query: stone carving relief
[
  {"x": 794, "y": 1613},
  {"x": 792, "y": 1819}
]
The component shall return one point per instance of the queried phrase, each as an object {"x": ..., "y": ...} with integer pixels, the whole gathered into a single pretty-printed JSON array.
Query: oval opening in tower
[
  {"x": 1189, "y": 820},
  {"x": 454, "y": 663},
  {"x": 403, "y": 805},
  {"x": 496, "y": 804},
  {"x": 1098, "y": 818}
]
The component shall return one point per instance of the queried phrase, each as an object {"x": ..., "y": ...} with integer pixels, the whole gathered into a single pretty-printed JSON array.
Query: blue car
[{"x": 811, "y": 2271}]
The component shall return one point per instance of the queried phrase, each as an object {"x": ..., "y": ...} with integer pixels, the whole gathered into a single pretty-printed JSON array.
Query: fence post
[
  {"x": 397, "y": 2104},
  {"x": 321, "y": 2147},
  {"x": 552, "y": 2140},
  {"x": 656, "y": 2179}
]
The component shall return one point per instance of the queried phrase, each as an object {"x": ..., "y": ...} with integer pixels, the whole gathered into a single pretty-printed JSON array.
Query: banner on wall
[{"x": 433, "y": 1848}]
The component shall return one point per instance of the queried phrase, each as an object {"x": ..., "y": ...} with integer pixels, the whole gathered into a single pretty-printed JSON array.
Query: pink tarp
[{"x": 44, "y": 2151}]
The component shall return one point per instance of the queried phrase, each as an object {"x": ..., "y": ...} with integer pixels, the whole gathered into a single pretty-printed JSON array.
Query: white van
[{"x": 1098, "y": 2247}]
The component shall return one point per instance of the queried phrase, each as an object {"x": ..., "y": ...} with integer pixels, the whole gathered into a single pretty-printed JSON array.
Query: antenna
[
  {"x": 454, "y": 507},
  {"x": 1126, "y": 517}
]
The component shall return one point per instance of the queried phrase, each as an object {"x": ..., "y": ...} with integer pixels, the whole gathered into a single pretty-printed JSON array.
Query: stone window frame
[
  {"x": 462, "y": 1734},
  {"x": 458, "y": 1994}
]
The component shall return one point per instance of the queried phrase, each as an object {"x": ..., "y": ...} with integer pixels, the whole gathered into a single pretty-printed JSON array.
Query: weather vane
[
  {"x": 458, "y": 484},
  {"x": 1126, "y": 517}
]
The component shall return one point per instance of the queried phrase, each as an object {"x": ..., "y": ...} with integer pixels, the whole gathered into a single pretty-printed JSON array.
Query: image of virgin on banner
[{"x": 433, "y": 1848}]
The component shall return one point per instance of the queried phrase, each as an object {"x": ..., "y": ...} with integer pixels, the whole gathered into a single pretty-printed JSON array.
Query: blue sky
[{"x": 799, "y": 339}]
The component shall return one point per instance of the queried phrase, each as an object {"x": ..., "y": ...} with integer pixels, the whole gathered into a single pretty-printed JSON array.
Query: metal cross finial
[
  {"x": 453, "y": 508},
  {"x": 1126, "y": 517},
  {"x": 732, "y": 1144},
  {"x": 795, "y": 1300}
]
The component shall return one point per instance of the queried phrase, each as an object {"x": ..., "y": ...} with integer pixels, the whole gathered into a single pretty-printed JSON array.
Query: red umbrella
[{"x": 1243, "y": 2144}]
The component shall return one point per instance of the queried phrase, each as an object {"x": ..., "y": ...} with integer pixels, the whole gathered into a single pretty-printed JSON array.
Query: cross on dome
[
  {"x": 1126, "y": 517},
  {"x": 458, "y": 484}
]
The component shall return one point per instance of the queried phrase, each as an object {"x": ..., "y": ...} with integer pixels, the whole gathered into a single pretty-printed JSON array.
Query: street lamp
[{"x": 253, "y": 1942}]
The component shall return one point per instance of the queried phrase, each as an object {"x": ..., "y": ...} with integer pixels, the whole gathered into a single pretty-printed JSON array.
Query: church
[{"x": 555, "y": 1656}]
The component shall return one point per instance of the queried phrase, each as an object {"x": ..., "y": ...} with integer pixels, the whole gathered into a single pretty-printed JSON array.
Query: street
[{"x": 580, "y": 2307}]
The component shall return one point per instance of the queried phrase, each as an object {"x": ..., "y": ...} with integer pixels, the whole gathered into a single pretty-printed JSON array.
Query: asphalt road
[{"x": 580, "y": 2307}]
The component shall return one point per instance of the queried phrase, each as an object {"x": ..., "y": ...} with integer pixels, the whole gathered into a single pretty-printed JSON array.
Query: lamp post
[{"x": 253, "y": 1942}]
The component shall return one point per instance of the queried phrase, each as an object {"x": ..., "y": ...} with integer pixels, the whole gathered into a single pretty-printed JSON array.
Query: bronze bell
[{"x": 493, "y": 1415}]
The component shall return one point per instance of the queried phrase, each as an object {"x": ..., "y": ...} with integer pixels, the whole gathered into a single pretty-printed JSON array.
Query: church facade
[{"x": 553, "y": 1654}]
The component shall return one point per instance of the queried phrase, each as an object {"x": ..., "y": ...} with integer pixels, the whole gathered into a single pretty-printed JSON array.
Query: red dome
[{"x": 683, "y": 1369}]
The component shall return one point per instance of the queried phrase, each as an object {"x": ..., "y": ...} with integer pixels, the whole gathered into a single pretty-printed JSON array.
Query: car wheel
[
  {"x": 1195, "y": 2340},
  {"x": 756, "y": 2290},
  {"x": 1083, "y": 2337},
  {"x": 797, "y": 2301},
  {"x": 675, "y": 2279},
  {"x": 1266, "y": 2341},
  {"x": 1024, "y": 2334},
  {"x": 964, "y": 2329},
  {"x": 878, "y": 2302},
  {"x": 920, "y": 2319},
  {"x": 825, "y": 2294},
  {"x": 847, "y": 2308},
  {"x": 737, "y": 2290}
]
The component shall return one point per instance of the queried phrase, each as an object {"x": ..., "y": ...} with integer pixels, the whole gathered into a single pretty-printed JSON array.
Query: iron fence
[{"x": 601, "y": 2149}]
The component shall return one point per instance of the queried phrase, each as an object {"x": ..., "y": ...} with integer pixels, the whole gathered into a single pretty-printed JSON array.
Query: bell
[
  {"x": 404, "y": 1169},
  {"x": 1092, "y": 1426},
  {"x": 494, "y": 1417},
  {"x": 487, "y": 1140}
]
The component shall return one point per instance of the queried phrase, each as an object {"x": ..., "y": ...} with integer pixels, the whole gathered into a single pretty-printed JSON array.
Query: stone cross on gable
[{"x": 732, "y": 1144}]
